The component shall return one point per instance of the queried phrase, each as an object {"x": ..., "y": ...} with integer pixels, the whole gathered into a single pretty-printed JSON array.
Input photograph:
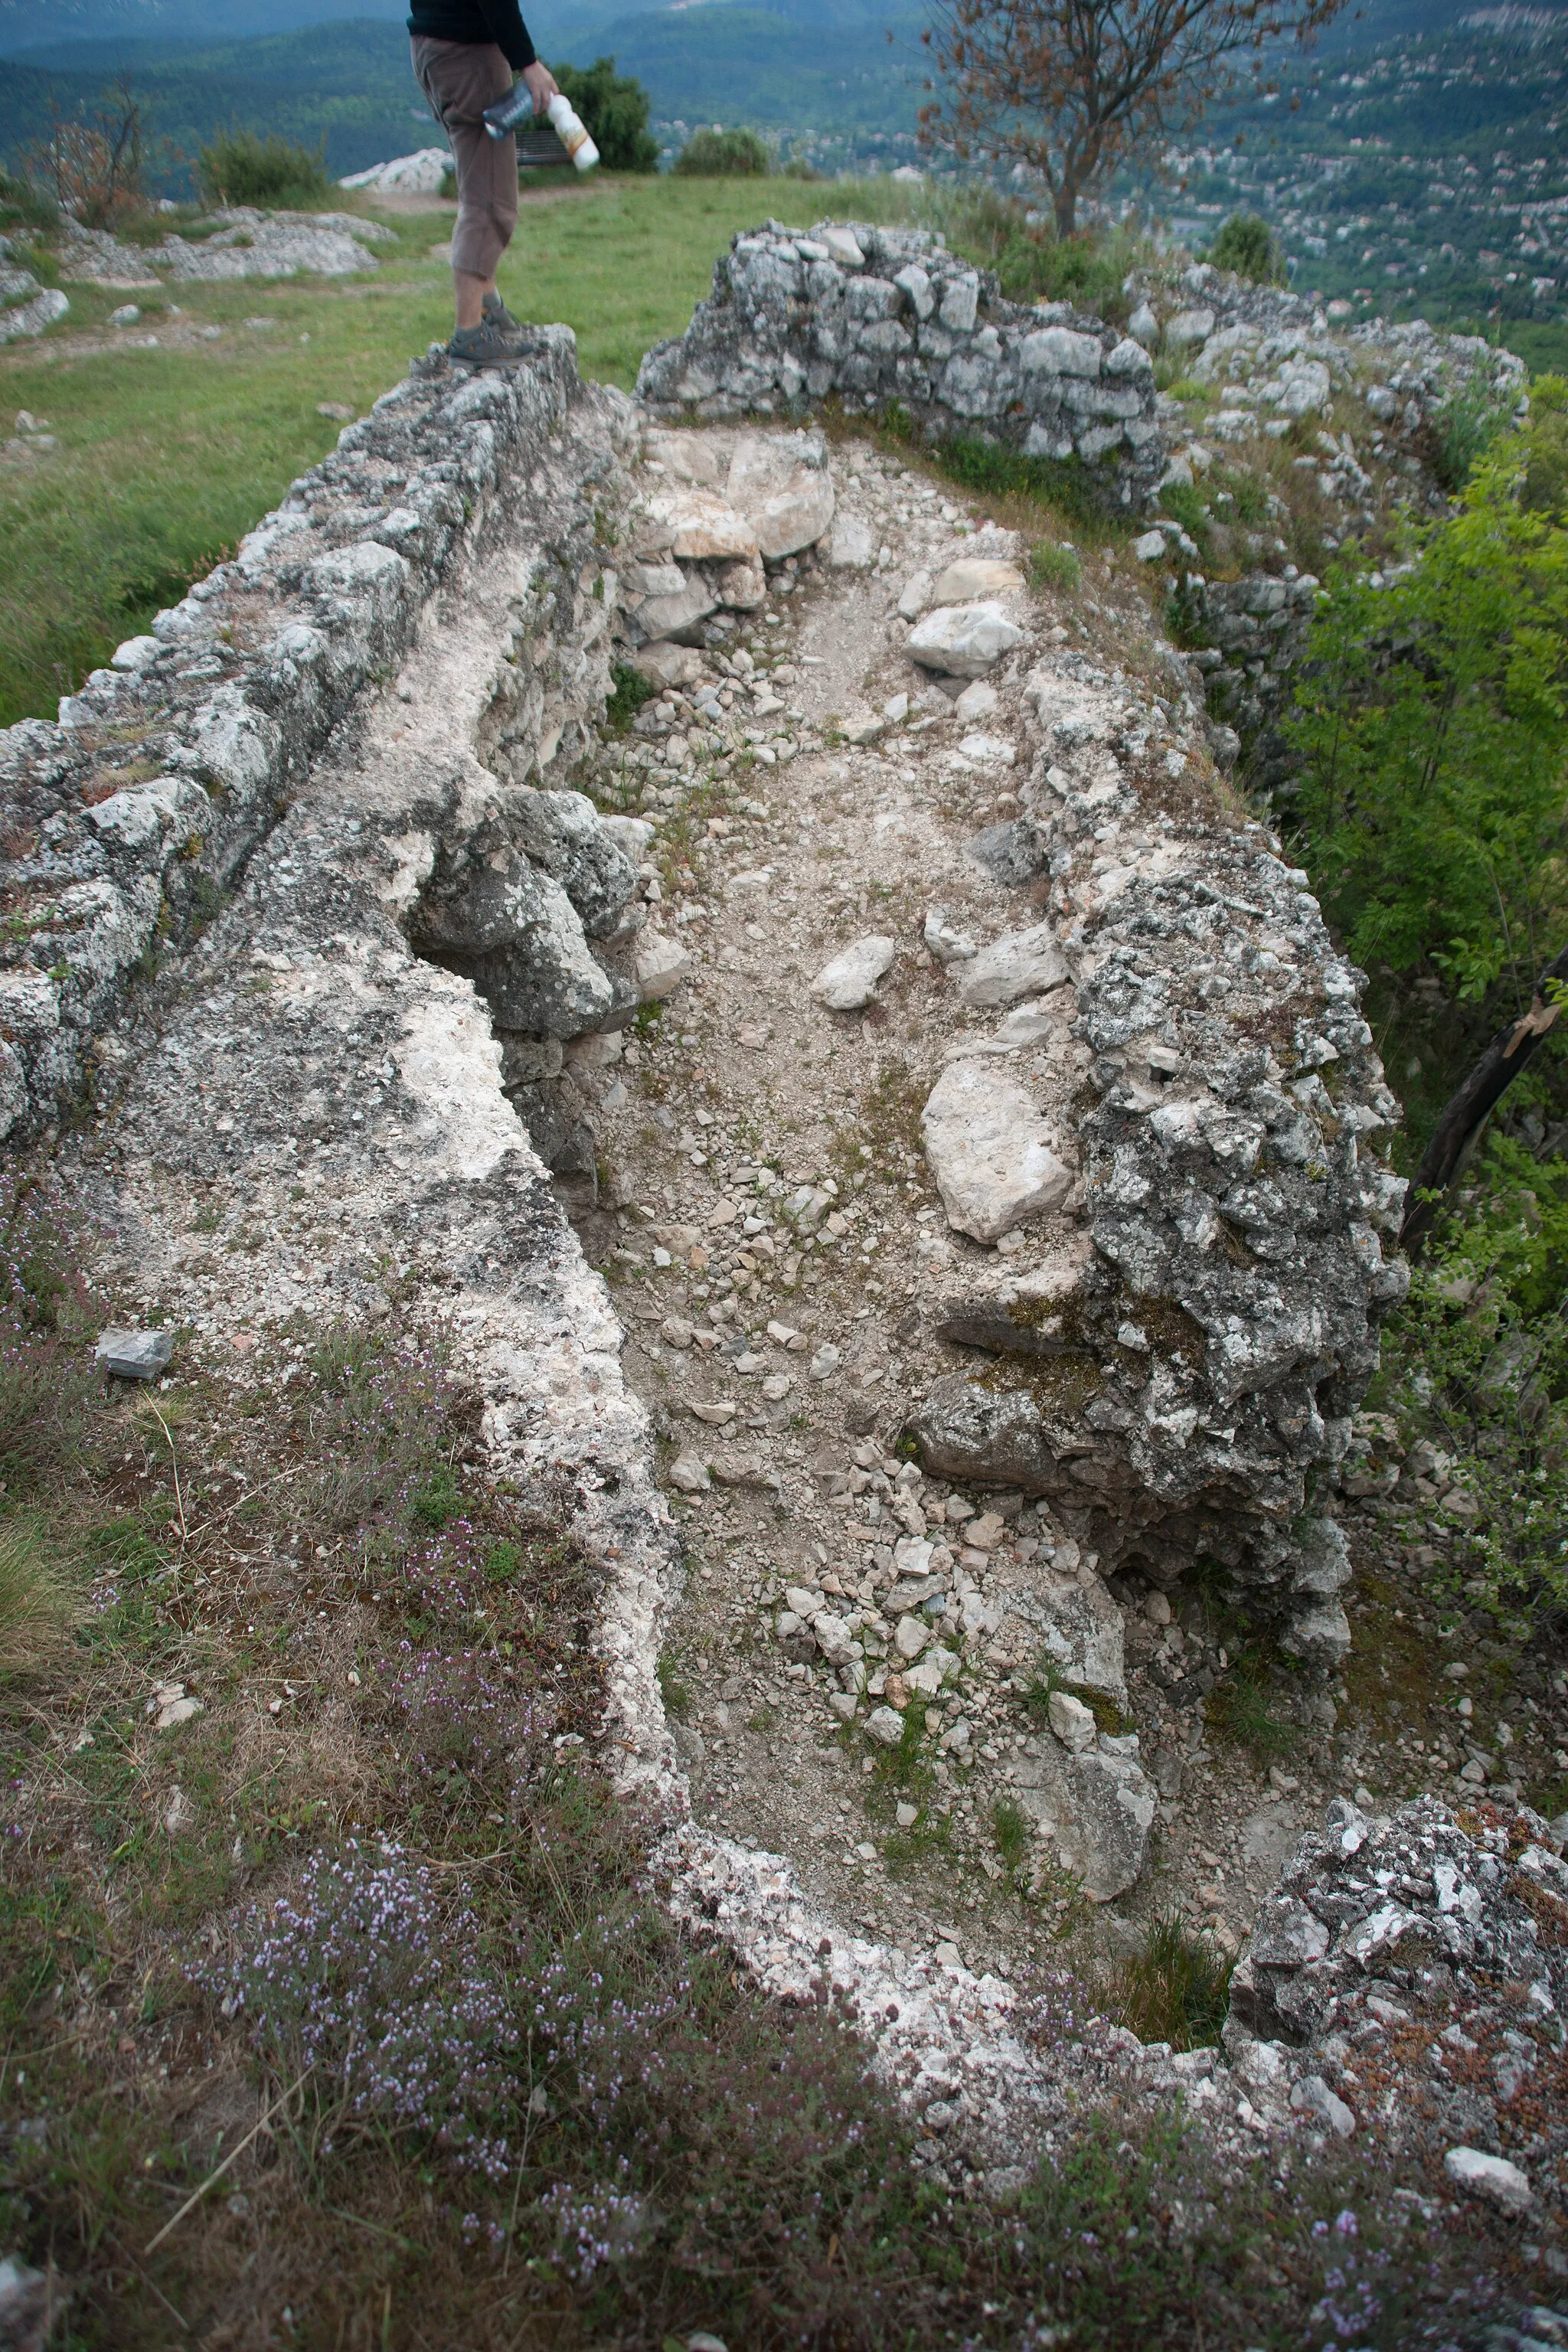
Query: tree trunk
[
  {"x": 1065, "y": 203},
  {"x": 1467, "y": 1112}
]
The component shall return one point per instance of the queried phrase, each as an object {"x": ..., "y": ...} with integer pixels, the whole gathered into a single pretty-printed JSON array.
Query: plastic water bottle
[{"x": 504, "y": 118}]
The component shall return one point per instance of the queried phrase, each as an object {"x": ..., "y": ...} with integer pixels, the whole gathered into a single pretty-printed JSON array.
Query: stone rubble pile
[
  {"x": 245, "y": 243},
  {"x": 1406, "y": 1980},
  {"x": 1184, "y": 1386},
  {"x": 876, "y": 316},
  {"x": 26, "y": 307}
]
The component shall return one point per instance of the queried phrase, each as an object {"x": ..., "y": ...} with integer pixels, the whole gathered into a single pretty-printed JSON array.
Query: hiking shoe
[
  {"x": 498, "y": 314},
  {"x": 489, "y": 345}
]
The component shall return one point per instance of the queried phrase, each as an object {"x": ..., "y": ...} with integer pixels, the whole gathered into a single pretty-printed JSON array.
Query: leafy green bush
[
  {"x": 722, "y": 156},
  {"x": 240, "y": 168},
  {"x": 1476, "y": 1361},
  {"x": 1432, "y": 723},
  {"x": 1249, "y": 246},
  {"x": 614, "y": 108},
  {"x": 630, "y": 690},
  {"x": 1054, "y": 566},
  {"x": 1032, "y": 263}
]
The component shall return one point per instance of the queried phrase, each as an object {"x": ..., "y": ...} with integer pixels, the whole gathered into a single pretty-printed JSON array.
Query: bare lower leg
[{"x": 470, "y": 293}]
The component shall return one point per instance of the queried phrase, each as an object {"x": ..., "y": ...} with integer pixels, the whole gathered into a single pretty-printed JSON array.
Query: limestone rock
[
  {"x": 885, "y": 1725},
  {"x": 561, "y": 833},
  {"x": 1491, "y": 2178},
  {"x": 698, "y": 527},
  {"x": 849, "y": 980},
  {"x": 963, "y": 640},
  {"x": 853, "y": 546},
  {"x": 1080, "y": 1633},
  {"x": 994, "y": 1157},
  {"x": 946, "y": 943},
  {"x": 784, "y": 490},
  {"x": 668, "y": 665},
  {"x": 1094, "y": 1811},
  {"x": 516, "y": 934},
  {"x": 974, "y": 577},
  {"x": 1019, "y": 964},
  {"x": 742, "y": 587},
  {"x": 1071, "y": 1721},
  {"x": 915, "y": 595},
  {"x": 661, "y": 965}
]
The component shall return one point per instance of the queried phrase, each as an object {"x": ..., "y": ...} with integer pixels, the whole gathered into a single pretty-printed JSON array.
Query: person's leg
[{"x": 460, "y": 79}]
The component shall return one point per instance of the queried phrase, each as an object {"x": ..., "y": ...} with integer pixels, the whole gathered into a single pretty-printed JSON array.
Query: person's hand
[{"x": 542, "y": 85}]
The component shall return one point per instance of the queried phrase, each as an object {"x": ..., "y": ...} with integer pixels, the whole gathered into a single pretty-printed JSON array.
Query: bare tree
[
  {"x": 1072, "y": 87},
  {"x": 96, "y": 168}
]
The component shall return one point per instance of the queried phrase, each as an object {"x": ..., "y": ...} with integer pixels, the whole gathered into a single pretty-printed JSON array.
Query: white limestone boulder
[
  {"x": 974, "y": 577},
  {"x": 995, "y": 1160},
  {"x": 849, "y": 980},
  {"x": 784, "y": 490},
  {"x": 963, "y": 640},
  {"x": 1019, "y": 964},
  {"x": 1092, "y": 1812},
  {"x": 661, "y": 965}
]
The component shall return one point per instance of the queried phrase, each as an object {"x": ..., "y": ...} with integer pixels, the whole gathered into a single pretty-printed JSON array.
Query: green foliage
[
  {"x": 1477, "y": 1360},
  {"x": 1249, "y": 247},
  {"x": 241, "y": 168},
  {"x": 1011, "y": 1832},
  {"x": 631, "y": 689},
  {"x": 1241, "y": 1709},
  {"x": 676, "y": 1695},
  {"x": 1432, "y": 722},
  {"x": 722, "y": 156},
  {"x": 1462, "y": 431},
  {"x": 22, "y": 206},
  {"x": 1176, "y": 1989},
  {"x": 1053, "y": 565},
  {"x": 614, "y": 108},
  {"x": 1033, "y": 264},
  {"x": 991, "y": 469},
  {"x": 36, "y": 1595}
]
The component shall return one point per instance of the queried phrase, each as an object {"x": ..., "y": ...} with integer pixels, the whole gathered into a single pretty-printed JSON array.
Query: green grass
[
  {"x": 1176, "y": 1989},
  {"x": 166, "y": 458}
]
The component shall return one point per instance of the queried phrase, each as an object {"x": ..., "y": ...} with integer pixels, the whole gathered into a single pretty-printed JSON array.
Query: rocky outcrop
[
  {"x": 1370, "y": 409},
  {"x": 132, "y": 817},
  {"x": 1185, "y": 1388},
  {"x": 879, "y": 316}
]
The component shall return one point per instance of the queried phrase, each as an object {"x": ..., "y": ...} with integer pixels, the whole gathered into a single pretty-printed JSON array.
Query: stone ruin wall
[
  {"x": 875, "y": 316},
  {"x": 1184, "y": 1387},
  {"x": 1184, "y": 1390}
]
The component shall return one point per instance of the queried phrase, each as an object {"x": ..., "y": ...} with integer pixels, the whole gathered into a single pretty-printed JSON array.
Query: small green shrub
[
  {"x": 630, "y": 690},
  {"x": 1249, "y": 247},
  {"x": 722, "y": 156},
  {"x": 240, "y": 168},
  {"x": 614, "y": 108},
  {"x": 1461, "y": 433},
  {"x": 675, "y": 1693},
  {"x": 1053, "y": 565},
  {"x": 1010, "y": 1831},
  {"x": 1176, "y": 1989},
  {"x": 439, "y": 1502}
]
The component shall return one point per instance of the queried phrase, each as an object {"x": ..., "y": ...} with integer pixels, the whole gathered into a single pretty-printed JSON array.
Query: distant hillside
[
  {"x": 34, "y": 23},
  {"x": 348, "y": 83}
]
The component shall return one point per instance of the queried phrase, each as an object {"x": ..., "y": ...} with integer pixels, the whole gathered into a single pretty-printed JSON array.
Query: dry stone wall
[
  {"x": 875, "y": 316},
  {"x": 1183, "y": 1388},
  {"x": 131, "y": 817}
]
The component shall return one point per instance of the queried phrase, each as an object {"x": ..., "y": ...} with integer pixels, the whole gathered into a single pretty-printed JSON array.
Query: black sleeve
[{"x": 508, "y": 33}]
